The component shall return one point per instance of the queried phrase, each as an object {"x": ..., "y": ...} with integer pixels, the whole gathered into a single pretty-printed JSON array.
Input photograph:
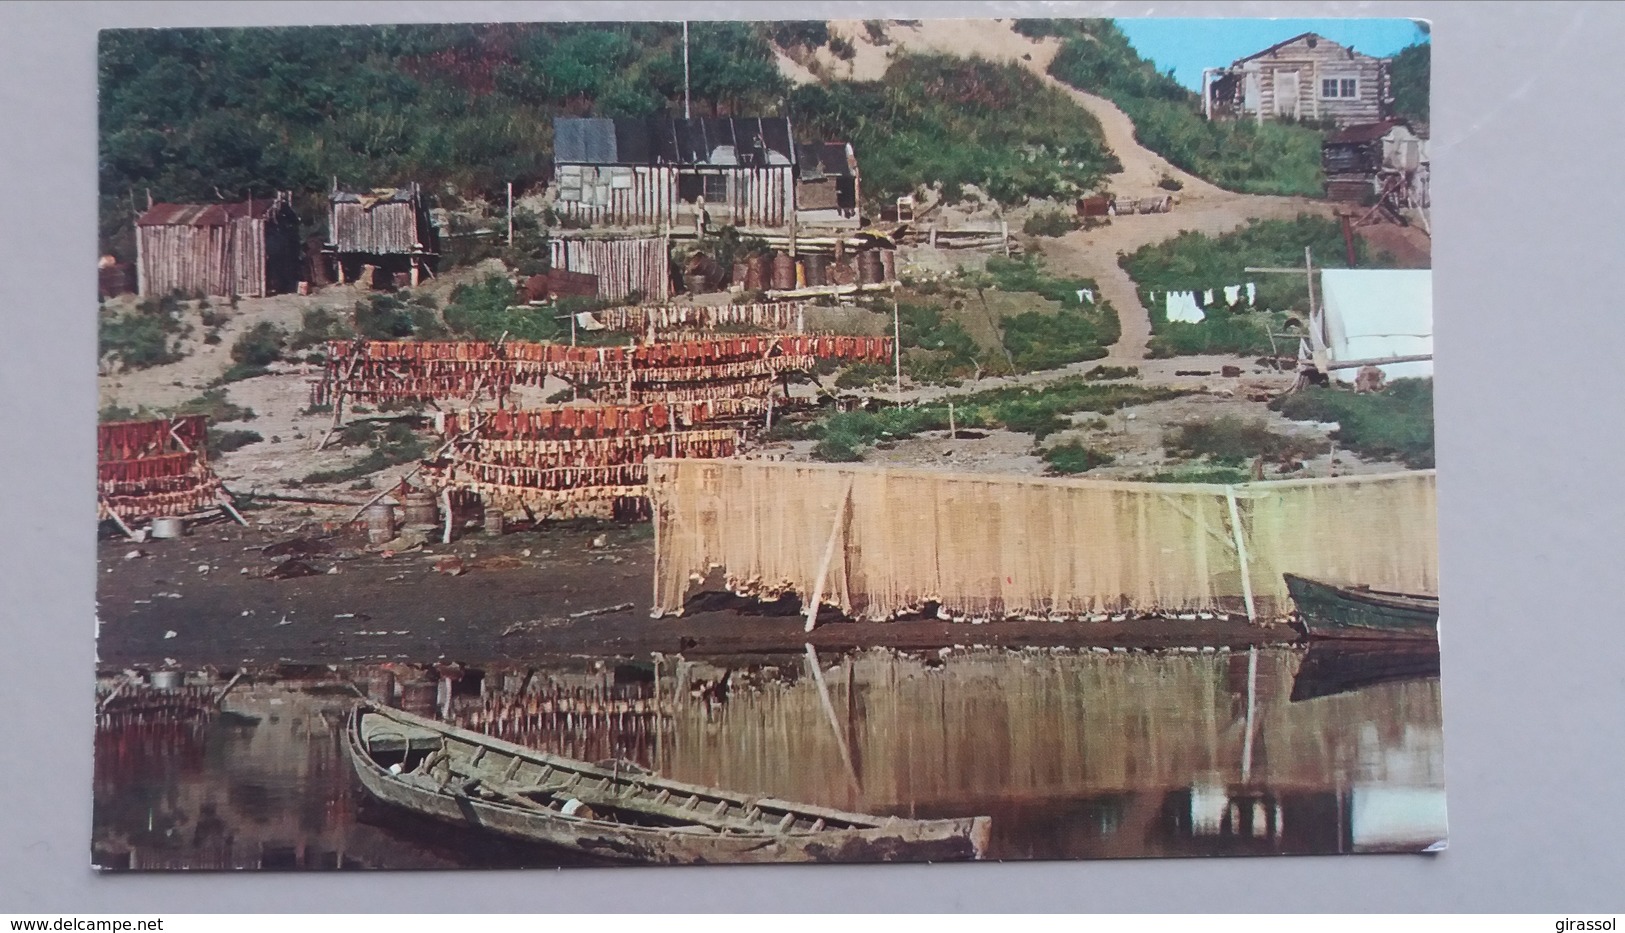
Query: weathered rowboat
[
  {"x": 1329, "y": 610},
  {"x": 463, "y": 777}
]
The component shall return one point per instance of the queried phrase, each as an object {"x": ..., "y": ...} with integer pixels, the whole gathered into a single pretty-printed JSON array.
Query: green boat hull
[{"x": 1332, "y": 611}]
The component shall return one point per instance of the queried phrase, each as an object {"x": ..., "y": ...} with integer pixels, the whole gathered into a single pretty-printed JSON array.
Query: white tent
[{"x": 1377, "y": 314}]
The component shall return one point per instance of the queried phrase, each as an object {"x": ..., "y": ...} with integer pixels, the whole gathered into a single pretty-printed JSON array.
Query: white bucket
[{"x": 168, "y": 527}]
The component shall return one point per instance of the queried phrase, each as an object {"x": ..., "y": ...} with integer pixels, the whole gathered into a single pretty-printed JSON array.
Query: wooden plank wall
[
  {"x": 248, "y": 257},
  {"x": 1326, "y": 60},
  {"x": 387, "y": 229},
  {"x": 639, "y": 264},
  {"x": 762, "y": 197},
  {"x": 181, "y": 257}
]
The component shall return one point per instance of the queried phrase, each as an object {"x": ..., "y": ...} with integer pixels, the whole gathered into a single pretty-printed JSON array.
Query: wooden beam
[
  {"x": 1241, "y": 553},
  {"x": 829, "y": 556}
]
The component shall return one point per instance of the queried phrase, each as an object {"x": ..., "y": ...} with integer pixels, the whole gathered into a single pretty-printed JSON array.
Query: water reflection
[{"x": 1074, "y": 755}]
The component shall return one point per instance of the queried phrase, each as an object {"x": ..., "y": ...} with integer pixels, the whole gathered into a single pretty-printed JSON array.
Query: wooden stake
[
  {"x": 829, "y": 556},
  {"x": 229, "y": 509},
  {"x": 1241, "y": 552},
  {"x": 119, "y": 521},
  {"x": 445, "y": 507}
]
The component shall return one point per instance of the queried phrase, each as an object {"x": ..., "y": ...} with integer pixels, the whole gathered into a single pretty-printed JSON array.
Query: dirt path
[{"x": 1199, "y": 205}]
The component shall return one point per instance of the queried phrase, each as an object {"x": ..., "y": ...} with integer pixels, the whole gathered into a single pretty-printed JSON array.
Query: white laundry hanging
[
  {"x": 1231, "y": 293},
  {"x": 1086, "y": 295},
  {"x": 1207, "y": 297},
  {"x": 1182, "y": 307},
  {"x": 1252, "y": 294}
]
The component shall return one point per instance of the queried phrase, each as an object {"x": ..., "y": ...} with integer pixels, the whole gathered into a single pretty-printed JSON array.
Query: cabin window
[
  {"x": 691, "y": 186},
  {"x": 1339, "y": 88}
]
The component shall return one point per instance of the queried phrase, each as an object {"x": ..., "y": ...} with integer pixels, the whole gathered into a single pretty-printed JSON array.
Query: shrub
[
  {"x": 1231, "y": 440},
  {"x": 1170, "y": 183},
  {"x": 144, "y": 337},
  {"x": 240, "y": 371},
  {"x": 484, "y": 310},
  {"x": 843, "y": 48},
  {"x": 317, "y": 326},
  {"x": 214, "y": 406},
  {"x": 860, "y": 375},
  {"x": 1072, "y": 457},
  {"x": 1049, "y": 223},
  {"x": 1046, "y": 341},
  {"x": 394, "y": 317},
  {"x": 1394, "y": 424},
  {"x": 260, "y": 345}
]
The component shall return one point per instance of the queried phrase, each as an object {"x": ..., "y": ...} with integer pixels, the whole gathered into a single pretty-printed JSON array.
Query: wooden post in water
[
  {"x": 1241, "y": 552},
  {"x": 829, "y": 556},
  {"x": 1252, "y": 700}
]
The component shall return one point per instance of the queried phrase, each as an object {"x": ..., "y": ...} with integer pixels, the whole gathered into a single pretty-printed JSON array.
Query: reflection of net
[{"x": 987, "y": 546}]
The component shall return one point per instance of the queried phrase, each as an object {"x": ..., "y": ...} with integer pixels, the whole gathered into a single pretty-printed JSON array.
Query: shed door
[{"x": 1286, "y": 94}]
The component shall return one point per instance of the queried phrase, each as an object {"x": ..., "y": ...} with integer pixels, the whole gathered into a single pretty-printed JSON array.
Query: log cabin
[
  {"x": 1364, "y": 161},
  {"x": 1307, "y": 77},
  {"x": 246, "y": 249}
]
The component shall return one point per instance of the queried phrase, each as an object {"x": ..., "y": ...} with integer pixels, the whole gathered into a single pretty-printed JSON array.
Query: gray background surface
[{"x": 1527, "y": 99}]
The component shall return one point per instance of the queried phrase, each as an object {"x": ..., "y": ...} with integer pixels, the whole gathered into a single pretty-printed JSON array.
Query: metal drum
[
  {"x": 817, "y": 270},
  {"x": 759, "y": 272},
  {"x": 784, "y": 272},
  {"x": 168, "y": 527},
  {"x": 495, "y": 522},
  {"x": 741, "y": 273},
  {"x": 888, "y": 265}
]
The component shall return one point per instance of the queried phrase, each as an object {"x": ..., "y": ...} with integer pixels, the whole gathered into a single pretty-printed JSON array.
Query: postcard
[{"x": 580, "y": 444}]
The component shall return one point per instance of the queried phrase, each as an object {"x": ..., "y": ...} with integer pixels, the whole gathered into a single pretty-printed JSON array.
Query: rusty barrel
[
  {"x": 418, "y": 508},
  {"x": 784, "y": 272},
  {"x": 888, "y": 265},
  {"x": 495, "y": 522},
  {"x": 741, "y": 273},
  {"x": 380, "y": 521},
  {"x": 696, "y": 284},
  {"x": 817, "y": 270},
  {"x": 869, "y": 267},
  {"x": 759, "y": 272}
]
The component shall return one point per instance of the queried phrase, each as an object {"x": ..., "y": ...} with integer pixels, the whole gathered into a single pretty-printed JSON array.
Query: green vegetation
[
  {"x": 1040, "y": 411},
  {"x": 1055, "y": 222},
  {"x": 394, "y": 445},
  {"x": 462, "y": 108},
  {"x": 224, "y": 442},
  {"x": 487, "y": 309},
  {"x": 1195, "y": 262},
  {"x": 1047, "y": 341},
  {"x": 214, "y": 406},
  {"x": 1223, "y": 475},
  {"x": 1410, "y": 74},
  {"x": 859, "y": 375},
  {"x": 317, "y": 326},
  {"x": 957, "y": 122},
  {"x": 145, "y": 337},
  {"x": 1394, "y": 424},
  {"x": 1072, "y": 457},
  {"x": 1229, "y": 440},
  {"x": 938, "y": 349},
  {"x": 399, "y": 316},
  {"x": 1241, "y": 155}
]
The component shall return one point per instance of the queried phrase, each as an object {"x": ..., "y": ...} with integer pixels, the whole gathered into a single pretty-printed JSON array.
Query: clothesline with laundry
[{"x": 1190, "y": 306}]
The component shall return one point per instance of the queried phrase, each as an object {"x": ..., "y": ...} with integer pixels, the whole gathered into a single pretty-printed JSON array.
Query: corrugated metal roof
[
  {"x": 669, "y": 141},
  {"x": 202, "y": 215},
  {"x": 584, "y": 140}
]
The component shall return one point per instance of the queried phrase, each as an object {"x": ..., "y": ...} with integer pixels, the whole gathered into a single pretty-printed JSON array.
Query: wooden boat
[
  {"x": 1332, "y": 667},
  {"x": 1329, "y": 610},
  {"x": 458, "y": 776}
]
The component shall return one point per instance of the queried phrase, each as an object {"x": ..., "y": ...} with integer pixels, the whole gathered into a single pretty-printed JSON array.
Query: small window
[
  {"x": 716, "y": 189},
  {"x": 1339, "y": 88}
]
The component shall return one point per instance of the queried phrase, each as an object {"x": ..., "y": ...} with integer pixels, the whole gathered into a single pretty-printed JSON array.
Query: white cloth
[
  {"x": 586, "y": 321},
  {"x": 1086, "y": 294},
  {"x": 1207, "y": 297},
  {"x": 1182, "y": 307},
  {"x": 1231, "y": 293},
  {"x": 1378, "y": 313},
  {"x": 1252, "y": 294}
]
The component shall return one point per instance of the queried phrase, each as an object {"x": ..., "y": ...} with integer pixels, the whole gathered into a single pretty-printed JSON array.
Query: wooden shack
[
  {"x": 827, "y": 189},
  {"x": 1365, "y": 161},
  {"x": 248, "y": 248},
  {"x": 660, "y": 171},
  {"x": 387, "y": 228},
  {"x": 1307, "y": 77}
]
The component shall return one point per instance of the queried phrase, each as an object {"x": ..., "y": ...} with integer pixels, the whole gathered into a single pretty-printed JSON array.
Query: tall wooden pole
[
  {"x": 897, "y": 343},
  {"x": 510, "y": 213},
  {"x": 686, "y": 114}
]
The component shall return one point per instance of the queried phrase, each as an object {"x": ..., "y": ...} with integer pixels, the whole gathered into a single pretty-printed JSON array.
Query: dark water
[{"x": 1073, "y": 755}]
